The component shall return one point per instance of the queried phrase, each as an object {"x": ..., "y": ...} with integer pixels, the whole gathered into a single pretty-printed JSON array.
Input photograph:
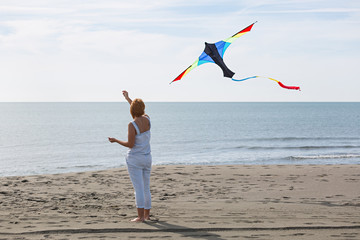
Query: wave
[
  {"x": 300, "y": 138},
  {"x": 80, "y": 166},
  {"x": 297, "y": 147},
  {"x": 330, "y": 156},
  {"x": 47, "y": 144}
]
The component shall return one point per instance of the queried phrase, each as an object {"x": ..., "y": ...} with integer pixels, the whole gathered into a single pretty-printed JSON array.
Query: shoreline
[
  {"x": 218, "y": 200},
  {"x": 176, "y": 165}
]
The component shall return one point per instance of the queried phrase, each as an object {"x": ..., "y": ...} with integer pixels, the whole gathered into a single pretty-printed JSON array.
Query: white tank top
[{"x": 142, "y": 141}]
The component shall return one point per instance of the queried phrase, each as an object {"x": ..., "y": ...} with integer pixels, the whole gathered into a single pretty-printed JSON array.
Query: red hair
[{"x": 137, "y": 108}]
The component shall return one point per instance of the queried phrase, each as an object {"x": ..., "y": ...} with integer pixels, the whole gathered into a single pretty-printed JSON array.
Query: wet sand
[{"x": 189, "y": 202}]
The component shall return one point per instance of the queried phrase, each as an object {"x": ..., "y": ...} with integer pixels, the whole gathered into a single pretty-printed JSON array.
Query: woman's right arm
[
  {"x": 126, "y": 95},
  {"x": 131, "y": 138}
]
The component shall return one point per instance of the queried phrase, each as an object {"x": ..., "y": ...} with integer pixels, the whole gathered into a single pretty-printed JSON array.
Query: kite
[{"x": 214, "y": 52}]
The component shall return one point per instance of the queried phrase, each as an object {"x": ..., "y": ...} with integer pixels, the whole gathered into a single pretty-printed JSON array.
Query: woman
[{"x": 138, "y": 158}]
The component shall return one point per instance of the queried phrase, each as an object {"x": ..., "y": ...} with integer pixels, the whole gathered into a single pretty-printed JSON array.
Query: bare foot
[{"x": 137, "y": 220}]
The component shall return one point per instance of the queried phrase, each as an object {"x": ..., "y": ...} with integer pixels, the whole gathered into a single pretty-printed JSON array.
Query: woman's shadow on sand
[{"x": 184, "y": 231}]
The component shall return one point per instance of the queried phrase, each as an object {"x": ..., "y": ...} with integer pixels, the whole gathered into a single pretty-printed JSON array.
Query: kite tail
[
  {"x": 280, "y": 83},
  {"x": 240, "y": 80},
  {"x": 289, "y": 87},
  {"x": 284, "y": 86}
]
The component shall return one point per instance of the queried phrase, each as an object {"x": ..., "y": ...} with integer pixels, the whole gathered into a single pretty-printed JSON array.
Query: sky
[{"x": 89, "y": 51}]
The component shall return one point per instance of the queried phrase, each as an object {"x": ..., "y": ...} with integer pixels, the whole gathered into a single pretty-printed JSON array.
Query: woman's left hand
[{"x": 112, "y": 140}]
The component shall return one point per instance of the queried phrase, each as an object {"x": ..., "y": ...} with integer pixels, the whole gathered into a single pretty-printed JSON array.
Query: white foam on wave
[{"x": 330, "y": 156}]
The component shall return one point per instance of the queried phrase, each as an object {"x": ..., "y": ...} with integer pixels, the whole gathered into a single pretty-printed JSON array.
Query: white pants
[{"x": 139, "y": 171}]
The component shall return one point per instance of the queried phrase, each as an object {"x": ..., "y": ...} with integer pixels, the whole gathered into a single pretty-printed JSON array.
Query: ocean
[{"x": 47, "y": 138}]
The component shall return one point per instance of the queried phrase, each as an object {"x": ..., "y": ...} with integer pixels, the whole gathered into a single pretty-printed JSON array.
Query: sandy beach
[{"x": 189, "y": 202}]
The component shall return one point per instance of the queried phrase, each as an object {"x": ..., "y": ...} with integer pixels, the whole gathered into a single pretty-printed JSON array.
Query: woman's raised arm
[{"x": 126, "y": 95}]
